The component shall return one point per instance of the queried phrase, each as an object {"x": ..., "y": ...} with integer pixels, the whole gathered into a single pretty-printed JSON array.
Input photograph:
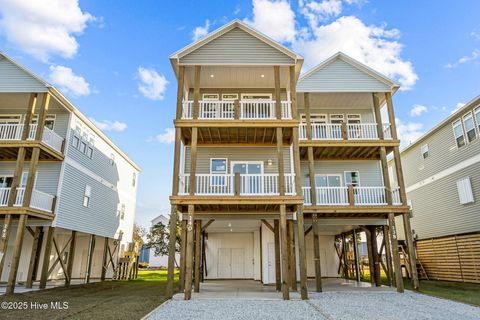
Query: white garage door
[{"x": 231, "y": 263}]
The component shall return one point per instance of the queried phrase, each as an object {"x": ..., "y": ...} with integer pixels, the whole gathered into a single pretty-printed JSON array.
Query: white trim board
[{"x": 444, "y": 173}]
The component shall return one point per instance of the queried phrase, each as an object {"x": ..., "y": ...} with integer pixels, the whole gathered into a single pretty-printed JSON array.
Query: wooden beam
[
  {"x": 356, "y": 255},
  {"x": 376, "y": 260},
  {"x": 395, "y": 253},
  {"x": 388, "y": 256},
  {"x": 280, "y": 164},
  {"x": 17, "y": 176},
  {"x": 292, "y": 262},
  {"x": 371, "y": 265},
  {"x": 42, "y": 116},
  {"x": 345, "y": 256},
  {"x": 180, "y": 84},
  {"x": 171, "y": 250},
  {"x": 105, "y": 258},
  {"x": 306, "y": 105},
  {"x": 301, "y": 254},
  {"x": 268, "y": 225},
  {"x": 209, "y": 222},
  {"x": 196, "y": 93},
  {"x": 386, "y": 177},
  {"x": 193, "y": 162},
  {"x": 284, "y": 255},
  {"x": 5, "y": 237},
  {"x": 308, "y": 230},
  {"x": 316, "y": 254},
  {"x": 91, "y": 250},
  {"x": 46, "y": 257},
  {"x": 33, "y": 257},
  {"x": 412, "y": 259},
  {"x": 278, "y": 101},
  {"x": 278, "y": 272},
  {"x": 189, "y": 253},
  {"x": 198, "y": 231},
  {"x": 183, "y": 247},
  {"x": 391, "y": 115},
  {"x": 32, "y": 169},
  {"x": 399, "y": 172},
  {"x": 17, "y": 251},
  {"x": 378, "y": 117},
  {"x": 311, "y": 174},
  {"x": 176, "y": 161},
  {"x": 62, "y": 263}
]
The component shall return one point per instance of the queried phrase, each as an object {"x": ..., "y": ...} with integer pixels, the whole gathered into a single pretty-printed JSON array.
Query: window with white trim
[
  {"x": 476, "y": 113},
  {"x": 354, "y": 118},
  {"x": 337, "y": 118},
  {"x": 469, "y": 125},
  {"x": 458, "y": 133},
  {"x": 465, "y": 193},
  {"x": 218, "y": 167},
  {"x": 49, "y": 120},
  {"x": 86, "y": 196},
  {"x": 75, "y": 141},
  {"x": 352, "y": 178},
  {"x": 424, "y": 151}
]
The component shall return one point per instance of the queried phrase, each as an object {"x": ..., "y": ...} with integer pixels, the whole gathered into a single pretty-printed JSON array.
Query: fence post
[{"x": 237, "y": 183}]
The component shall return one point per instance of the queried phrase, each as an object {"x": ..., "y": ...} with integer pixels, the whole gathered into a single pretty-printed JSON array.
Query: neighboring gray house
[
  {"x": 65, "y": 189},
  {"x": 442, "y": 177}
]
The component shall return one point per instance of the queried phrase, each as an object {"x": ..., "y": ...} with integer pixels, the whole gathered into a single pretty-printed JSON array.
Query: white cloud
[
  {"x": 152, "y": 85},
  {"x": 275, "y": 18},
  {"x": 320, "y": 10},
  {"x": 375, "y": 46},
  {"x": 43, "y": 27},
  {"x": 473, "y": 56},
  {"x": 417, "y": 110},
  {"x": 69, "y": 82},
  {"x": 457, "y": 106},
  {"x": 475, "y": 35},
  {"x": 167, "y": 137},
  {"x": 408, "y": 131},
  {"x": 108, "y": 125},
  {"x": 201, "y": 31}
]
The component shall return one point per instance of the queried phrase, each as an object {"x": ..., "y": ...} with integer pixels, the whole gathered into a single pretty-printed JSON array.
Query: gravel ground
[
  {"x": 328, "y": 305},
  {"x": 211, "y": 309}
]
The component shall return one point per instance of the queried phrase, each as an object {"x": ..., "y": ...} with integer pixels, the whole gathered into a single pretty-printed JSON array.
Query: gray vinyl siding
[
  {"x": 100, "y": 218},
  {"x": 99, "y": 164},
  {"x": 47, "y": 174},
  {"x": 340, "y": 76},
  {"x": 238, "y": 154},
  {"x": 14, "y": 79},
  {"x": 443, "y": 153},
  {"x": 437, "y": 210},
  {"x": 366, "y": 114},
  {"x": 370, "y": 171},
  {"x": 236, "y": 47}
]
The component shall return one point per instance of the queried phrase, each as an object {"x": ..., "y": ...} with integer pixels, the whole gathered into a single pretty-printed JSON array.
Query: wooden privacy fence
[{"x": 452, "y": 258}]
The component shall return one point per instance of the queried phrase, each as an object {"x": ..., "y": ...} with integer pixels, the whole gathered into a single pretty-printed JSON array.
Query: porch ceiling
[
  {"x": 18, "y": 103},
  {"x": 340, "y": 100}
]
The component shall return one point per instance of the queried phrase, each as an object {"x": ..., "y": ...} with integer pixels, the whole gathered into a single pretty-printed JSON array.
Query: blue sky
[{"x": 111, "y": 59}]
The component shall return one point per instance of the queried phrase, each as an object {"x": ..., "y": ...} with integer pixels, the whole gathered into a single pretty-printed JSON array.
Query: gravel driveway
[{"x": 329, "y": 305}]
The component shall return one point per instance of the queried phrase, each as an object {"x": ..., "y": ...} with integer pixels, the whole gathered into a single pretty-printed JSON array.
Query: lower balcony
[
  {"x": 350, "y": 195},
  {"x": 237, "y": 184},
  {"x": 40, "y": 200}
]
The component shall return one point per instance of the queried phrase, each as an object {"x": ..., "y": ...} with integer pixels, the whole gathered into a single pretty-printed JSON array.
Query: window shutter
[{"x": 465, "y": 193}]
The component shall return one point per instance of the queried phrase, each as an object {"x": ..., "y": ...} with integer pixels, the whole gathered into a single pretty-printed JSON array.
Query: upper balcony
[
  {"x": 13, "y": 132},
  {"x": 237, "y": 109},
  {"x": 345, "y": 131}
]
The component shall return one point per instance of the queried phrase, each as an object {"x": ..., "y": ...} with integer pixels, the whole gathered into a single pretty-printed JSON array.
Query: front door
[
  {"x": 252, "y": 180},
  {"x": 271, "y": 262}
]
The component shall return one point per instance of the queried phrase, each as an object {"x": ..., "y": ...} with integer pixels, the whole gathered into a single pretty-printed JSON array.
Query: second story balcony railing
[
  {"x": 239, "y": 184},
  {"x": 14, "y": 132},
  {"x": 350, "y": 131},
  {"x": 344, "y": 196},
  {"x": 40, "y": 200},
  {"x": 244, "y": 109}
]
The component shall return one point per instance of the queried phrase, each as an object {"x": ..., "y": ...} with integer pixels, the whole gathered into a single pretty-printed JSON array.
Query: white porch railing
[
  {"x": 369, "y": 195},
  {"x": 217, "y": 109},
  {"x": 362, "y": 131},
  {"x": 257, "y": 109},
  {"x": 224, "y": 184},
  {"x": 326, "y": 131},
  {"x": 306, "y": 196},
  {"x": 187, "y": 109},
  {"x": 332, "y": 196},
  {"x": 387, "y": 131},
  {"x": 302, "y": 131},
  {"x": 40, "y": 200},
  {"x": 286, "y": 110},
  {"x": 14, "y": 132},
  {"x": 396, "y": 196}
]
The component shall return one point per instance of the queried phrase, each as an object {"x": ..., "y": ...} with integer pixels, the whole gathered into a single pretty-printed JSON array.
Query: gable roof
[
  {"x": 24, "y": 75},
  {"x": 314, "y": 81},
  {"x": 234, "y": 24}
]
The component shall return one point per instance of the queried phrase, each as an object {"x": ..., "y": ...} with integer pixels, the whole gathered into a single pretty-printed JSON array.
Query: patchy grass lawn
[
  {"x": 102, "y": 300},
  {"x": 457, "y": 291}
]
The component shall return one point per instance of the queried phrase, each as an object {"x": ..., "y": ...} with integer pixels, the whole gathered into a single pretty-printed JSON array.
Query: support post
[
  {"x": 183, "y": 247},
  {"x": 278, "y": 101},
  {"x": 46, "y": 257},
  {"x": 172, "y": 242},
  {"x": 180, "y": 82},
  {"x": 357, "y": 256},
  {"x": 278, "y": 274},
  {"x": 71, "y": 258},
  {"x": 33, "y": 258},
  {"x": 316, "y": 253},
  {"x": 193, "y": 161},
  {"x": 301, "y": 253},
  {"x": 32, "y": 169},
  {"x": 378, "y": 117},
  {"x": 306, "y": 104},
  {"x": 284, "y": 244},
  {"x": 396, "y": 256},
  {"x": 345, "y": 256},
  {"x": 91, "y": 250},
  {"x": 196, "y": 92},
  {"x": 292, "y": 262},
  {"x": 17, "y": 251},
  {"x": 371, "y": 265},
  {"x": 105, "y": 258},
  {"x": 281, "y": 168},
  {"x": 388, "y": 256},
  {"x": 311, "y": 174},
  {"x": 198, "y": 232},
  {"x": 5, "y": 237},
  {"x": 42, "y": 116},
  {"x": 376, "y": 262},
  {"x": 411, "y": 252},
  {"x": 189, "y": 253}
]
